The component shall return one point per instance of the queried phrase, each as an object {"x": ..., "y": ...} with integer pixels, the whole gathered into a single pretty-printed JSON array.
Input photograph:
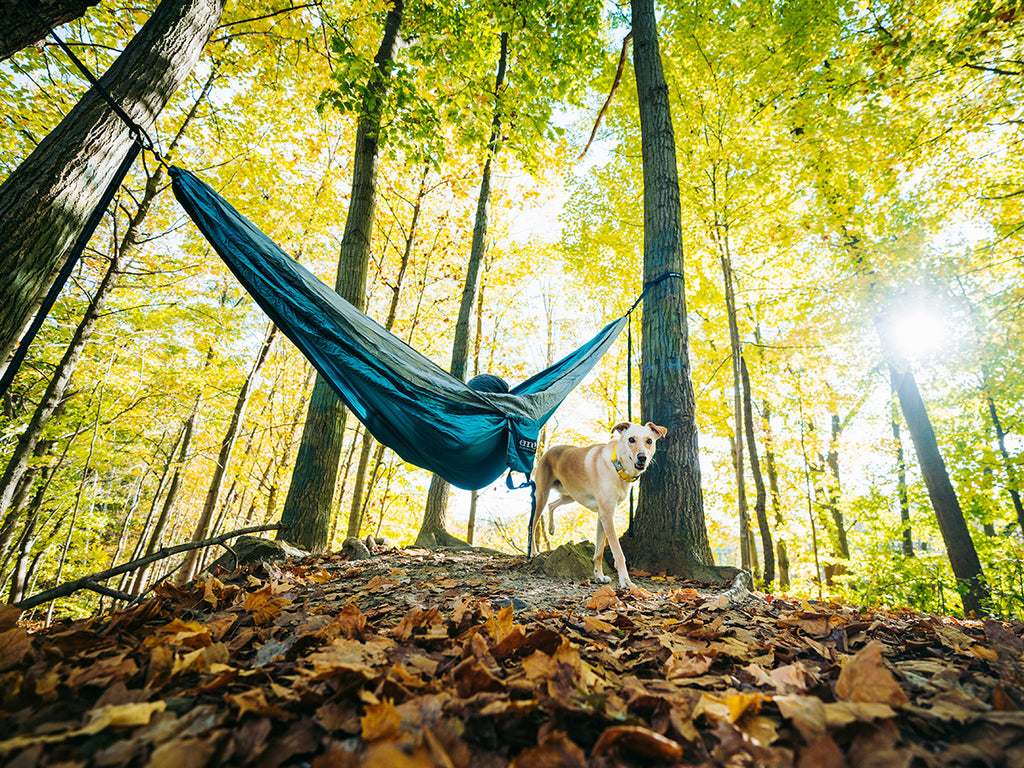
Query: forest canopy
[{"x": 851, "y": 189}]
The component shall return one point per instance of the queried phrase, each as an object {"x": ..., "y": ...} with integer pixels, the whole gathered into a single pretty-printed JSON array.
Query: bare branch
[{"x": 89, "y": 582}]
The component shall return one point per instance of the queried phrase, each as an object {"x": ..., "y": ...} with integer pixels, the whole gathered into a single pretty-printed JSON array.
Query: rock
[
  {"x": 570, "y": 562},
  {"x": 252, "y": 549}
]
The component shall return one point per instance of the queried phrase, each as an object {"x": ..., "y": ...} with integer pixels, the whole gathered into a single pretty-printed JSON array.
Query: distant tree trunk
[
  {"x": 19, "y": 27},
  {"x": 46, "y": 201},
  {"x": 834, "y": 490},
  {"x": 434, "y": 527},
  {"x": 760, "y": 499},
  {"x": 185, "y": 443},
  {"x": 227, "y": 445},
  {"x": 720, "y": 234},
  {"x": 19, "y": 577},
  {"x": 901, "y": 483},
  {"x": 355, "y": 510},
  {"x": 310, "y": 500},
  {"x": 669, "y": 532},
  {"x": 1012, "y": 486},
  {"x": 963, "y": 557}
]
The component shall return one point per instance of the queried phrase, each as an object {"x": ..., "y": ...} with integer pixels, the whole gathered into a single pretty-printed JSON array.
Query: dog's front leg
[
  {"x": 606, "y": 527},
  {"x": 599, "y": 540}
]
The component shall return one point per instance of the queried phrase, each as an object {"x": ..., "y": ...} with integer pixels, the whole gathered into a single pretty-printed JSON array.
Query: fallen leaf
[
  {"x": 381, "y": 721},
  {"x": 14, "y": 645},
  {"x": 865, "y": 678},
  {"x": 639, "y": 741}
]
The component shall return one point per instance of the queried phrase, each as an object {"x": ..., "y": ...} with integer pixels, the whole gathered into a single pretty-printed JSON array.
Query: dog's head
[{"x": 636, "y": 443}]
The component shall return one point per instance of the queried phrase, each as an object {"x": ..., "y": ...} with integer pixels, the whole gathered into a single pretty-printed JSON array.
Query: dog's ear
[
  {"x": 659, "y": 431},
  {"x": 621, "y": 427}
]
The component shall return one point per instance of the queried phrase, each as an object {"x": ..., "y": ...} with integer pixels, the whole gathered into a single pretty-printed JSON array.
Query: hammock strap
[{"x": 69, "y": 266}]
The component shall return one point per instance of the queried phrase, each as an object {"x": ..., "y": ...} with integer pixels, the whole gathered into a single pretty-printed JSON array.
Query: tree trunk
[
  {"x": 959, "y": 546},
  {"x": 760, "y": 506},
  {"x": 1011, "y": 472},
  {"x": 834, "y": 491},
  {"x": 156, "y": 539},
  {"x": 310, "y": 500},
  {"x": 355, "y": 510},
  {"x": 20, "y": 28},
  {"x": 46, "y": 201},
  {"x": 901, "y": 484},
  {"x": 227, "y": 445},
  {"x": 434, "y": 527},
  {"x": 669, "y": 529}
]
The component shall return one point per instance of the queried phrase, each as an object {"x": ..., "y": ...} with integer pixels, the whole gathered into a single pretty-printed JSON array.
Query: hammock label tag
[{"x": 528, "y": 445}]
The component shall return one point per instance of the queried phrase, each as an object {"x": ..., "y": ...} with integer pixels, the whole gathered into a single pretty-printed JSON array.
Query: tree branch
[
  {"x": 89, "y": 582},
  {"x": 611, "y": 93}
]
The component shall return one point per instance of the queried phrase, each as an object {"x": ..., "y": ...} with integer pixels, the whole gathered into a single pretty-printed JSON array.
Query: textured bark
[
  {"x": 310, "y": 500},
  {"x": 20, "y": 28},
  {"x": 669, "y": 532},
  {"x": 46, "y": 201},
  {"x": 433, "y": 529},
  {"x": 963, "y": 557}
]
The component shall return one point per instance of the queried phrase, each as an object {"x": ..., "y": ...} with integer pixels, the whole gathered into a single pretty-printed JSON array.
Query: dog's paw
[{"x": 600, "y": 578}]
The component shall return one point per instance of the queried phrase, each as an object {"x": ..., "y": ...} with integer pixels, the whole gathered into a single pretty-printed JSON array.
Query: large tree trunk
[
  {"x": 20, "y": 28},
  {"x": 434, "y": 527},
  {"x": 669, "y": 529},
  {"x": 959, "y": 546},
  {"x": 227, "y": 445},
  {"x": 310, "y": 500},
  {"x": 46, "y": 201}
]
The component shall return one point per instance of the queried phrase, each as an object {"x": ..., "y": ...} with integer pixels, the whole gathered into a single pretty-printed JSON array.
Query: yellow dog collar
[{"x": 619, "y": 468}]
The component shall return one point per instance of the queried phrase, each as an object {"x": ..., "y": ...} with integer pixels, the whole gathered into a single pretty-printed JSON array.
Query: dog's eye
[
  {"x": 632, "y": 439},
  {"x": 649, "y": 441}
]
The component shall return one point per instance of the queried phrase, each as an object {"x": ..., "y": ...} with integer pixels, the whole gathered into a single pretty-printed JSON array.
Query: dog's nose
[{"x": 641, "y": 458}]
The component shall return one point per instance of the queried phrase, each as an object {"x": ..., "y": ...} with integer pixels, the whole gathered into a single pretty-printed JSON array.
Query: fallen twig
[{"x": 89, "y": 582}]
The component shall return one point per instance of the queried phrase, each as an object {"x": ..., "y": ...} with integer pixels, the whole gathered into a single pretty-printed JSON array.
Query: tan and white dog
[{"x": 597, "y": 477}]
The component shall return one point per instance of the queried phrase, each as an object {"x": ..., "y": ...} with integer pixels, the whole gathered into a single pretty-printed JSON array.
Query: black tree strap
[
  {"x": 140, "y": 140},
  {"x": 76, "y": 252}
]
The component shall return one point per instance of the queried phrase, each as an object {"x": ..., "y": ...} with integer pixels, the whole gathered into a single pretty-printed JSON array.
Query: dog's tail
[{"x": 533, "y": 518}]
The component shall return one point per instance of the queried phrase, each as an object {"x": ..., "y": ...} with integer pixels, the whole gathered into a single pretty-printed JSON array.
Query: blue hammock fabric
[{"x": 407, "y": 402}]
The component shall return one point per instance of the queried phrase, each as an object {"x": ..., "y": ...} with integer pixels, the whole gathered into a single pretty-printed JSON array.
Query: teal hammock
[{"x": 407, "y": 402}]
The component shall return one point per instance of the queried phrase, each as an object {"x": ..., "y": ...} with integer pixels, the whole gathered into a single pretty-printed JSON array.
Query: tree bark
[
  {"x": 310, "y": 500},
  {"x": 46, "y": 201},
  {"x": 434, "y": 527},
  {"x": 669, "y": 529},
  {"x": 959, "y": 546},
  {"x": 355, "y": 509},
  {"x": 760, "y": 499},
  {"x": 901, "y": 484},
  {"x": 20, "y": 28}
]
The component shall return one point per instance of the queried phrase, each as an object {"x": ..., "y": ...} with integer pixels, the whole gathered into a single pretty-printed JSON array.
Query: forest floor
[{"x": 471, "y": 659}]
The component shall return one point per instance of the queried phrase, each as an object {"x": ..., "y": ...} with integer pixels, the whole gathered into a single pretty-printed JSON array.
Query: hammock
[{"x": 407, "y": 402}]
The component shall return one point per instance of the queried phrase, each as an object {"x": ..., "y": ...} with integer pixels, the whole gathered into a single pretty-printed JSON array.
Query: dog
[{"x": 597, "y": 477}]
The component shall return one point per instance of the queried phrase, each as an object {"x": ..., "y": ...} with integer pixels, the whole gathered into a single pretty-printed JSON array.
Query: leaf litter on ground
[{"x": 458, "y": 659}]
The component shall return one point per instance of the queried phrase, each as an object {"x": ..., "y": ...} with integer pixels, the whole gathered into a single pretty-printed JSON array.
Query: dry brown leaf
[
  {"x": 9, "y": 616},
  {"x": 14, "y": 645},
  {"x": 603, "y": 598},
  {"x": 865, "y": 678},
  {"x": 806, "y": 712},
  {"x": 639, "y": 741},
  {"x": 380, "y": 721},
  {"x": 556, "y": 750},
  {"x": 822, "y": 753}
]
